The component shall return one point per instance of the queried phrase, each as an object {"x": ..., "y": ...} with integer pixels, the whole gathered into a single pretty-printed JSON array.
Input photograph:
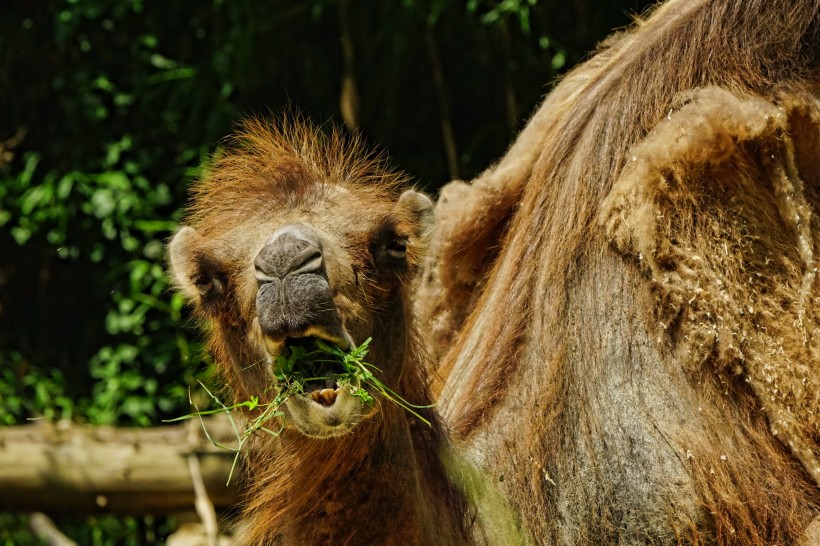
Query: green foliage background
[{"x": 114, "y": 104}]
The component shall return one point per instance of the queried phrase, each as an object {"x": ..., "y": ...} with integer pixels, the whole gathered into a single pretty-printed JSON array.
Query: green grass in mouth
[{"x": 310, "y": 360}]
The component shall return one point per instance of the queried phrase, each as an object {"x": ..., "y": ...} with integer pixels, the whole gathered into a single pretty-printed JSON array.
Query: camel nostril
[
  {"x": 311, "y": 264},
  {"x": 292, "y": 250}
]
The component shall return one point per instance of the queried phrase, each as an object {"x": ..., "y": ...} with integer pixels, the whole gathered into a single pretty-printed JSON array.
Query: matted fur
[
  {"x": 382, "y": 483},
  {"x": 639, "y": 363},
  {"x": 737, "y": 286}
]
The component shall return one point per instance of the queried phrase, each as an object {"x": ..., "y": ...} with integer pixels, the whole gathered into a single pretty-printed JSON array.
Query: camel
[
  {"x": 296, "y": 234},
  {"x": 627, "y": 306},
  {"x": 634, "y": 362}
]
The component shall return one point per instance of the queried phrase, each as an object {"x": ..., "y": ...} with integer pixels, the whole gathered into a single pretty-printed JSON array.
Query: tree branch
[
  {"x": 349, "y": 99},
  {"x": 44, "y": 529},
  {"x": 444, "y": 110}
]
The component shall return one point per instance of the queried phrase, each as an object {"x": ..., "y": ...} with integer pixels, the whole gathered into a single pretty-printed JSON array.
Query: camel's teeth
[{"x": 328, "y": 396}]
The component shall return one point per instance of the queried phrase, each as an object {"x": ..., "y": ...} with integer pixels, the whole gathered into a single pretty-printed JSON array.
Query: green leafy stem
[{"x": 292, "y": 372}]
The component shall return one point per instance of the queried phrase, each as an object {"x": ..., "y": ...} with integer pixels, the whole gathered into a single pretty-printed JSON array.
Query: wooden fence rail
[{"x": 63, "y": 468}]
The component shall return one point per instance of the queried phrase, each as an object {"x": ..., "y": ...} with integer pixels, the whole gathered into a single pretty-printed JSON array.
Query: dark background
[{"x": 109, "y": 107}]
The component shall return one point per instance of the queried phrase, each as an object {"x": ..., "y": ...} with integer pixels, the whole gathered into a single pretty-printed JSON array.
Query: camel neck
[{"x": 382, "y": 484}]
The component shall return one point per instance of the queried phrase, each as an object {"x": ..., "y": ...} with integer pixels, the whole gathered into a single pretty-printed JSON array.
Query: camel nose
[{"x": 291, "y": 250}]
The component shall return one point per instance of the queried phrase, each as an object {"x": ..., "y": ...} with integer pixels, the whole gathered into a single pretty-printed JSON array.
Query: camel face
[{"x": 297, "y": 257}]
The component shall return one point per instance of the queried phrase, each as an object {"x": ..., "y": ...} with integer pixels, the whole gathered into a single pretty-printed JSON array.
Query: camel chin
[{"x": 313, "y": 417}]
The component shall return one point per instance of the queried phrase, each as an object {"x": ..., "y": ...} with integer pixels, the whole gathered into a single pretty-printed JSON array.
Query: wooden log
[{"x": 63, "y": 468}]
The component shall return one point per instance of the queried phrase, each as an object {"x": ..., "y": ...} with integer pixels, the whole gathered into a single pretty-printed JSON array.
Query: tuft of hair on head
[{"x": 268, "y": 162}]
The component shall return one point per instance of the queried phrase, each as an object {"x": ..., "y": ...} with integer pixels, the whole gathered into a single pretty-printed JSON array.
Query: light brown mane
[
  {"x": 266, "y": 165},
  {"x": 575, "y": 308}
]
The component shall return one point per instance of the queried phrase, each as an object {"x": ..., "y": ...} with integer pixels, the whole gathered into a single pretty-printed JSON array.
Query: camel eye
[
  {"x": 397, "y": 249},
  {"x": 204, "y": 285}
]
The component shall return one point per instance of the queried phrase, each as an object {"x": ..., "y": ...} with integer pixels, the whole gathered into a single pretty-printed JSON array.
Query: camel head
[{"x": 294, "y": 235}]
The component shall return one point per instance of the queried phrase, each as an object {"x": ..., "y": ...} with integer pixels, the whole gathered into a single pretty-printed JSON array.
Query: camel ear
[
  {"x": 182, "y": 266},
  {"x": 421, "y": 208}
]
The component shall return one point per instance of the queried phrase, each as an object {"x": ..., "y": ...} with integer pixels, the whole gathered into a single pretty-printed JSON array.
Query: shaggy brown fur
[
  {"x": 640, "y": 362},
  {"x": 382, "y": 483}
]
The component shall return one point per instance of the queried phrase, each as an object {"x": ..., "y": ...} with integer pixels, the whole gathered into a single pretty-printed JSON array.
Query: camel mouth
[
  {"x": 315, "y": 419},
  {"x": 328, "y": 398},
  {"x": 325, "y": 412},
  {"x": 320, "y": 381}
]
